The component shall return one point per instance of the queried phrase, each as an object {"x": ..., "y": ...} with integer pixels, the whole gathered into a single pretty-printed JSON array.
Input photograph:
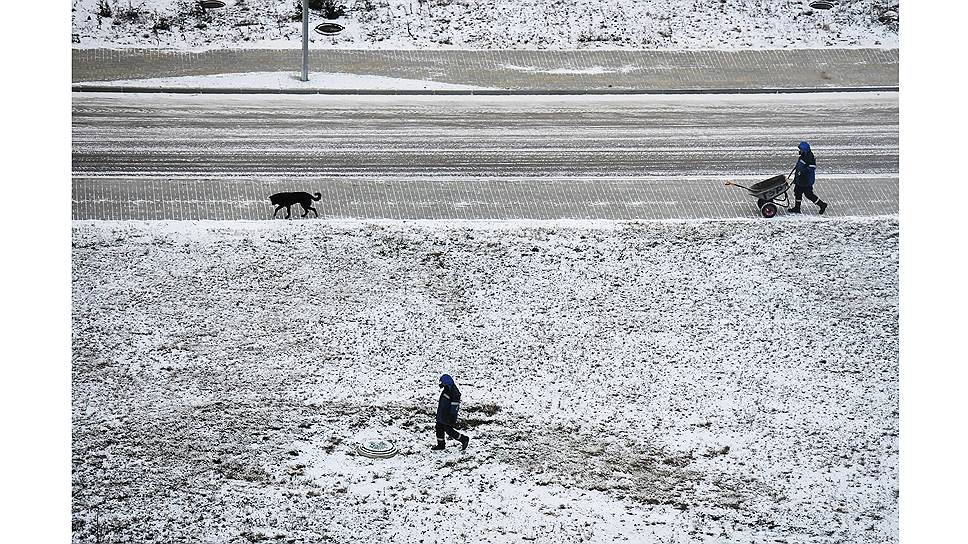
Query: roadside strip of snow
[
  {"x": 285, "y": 80},
  {"x": 472, "y": 224},
  {"x": 701, "y": 178},
  {"x": 584, "y": 101},
  {"x": 592, "y": 70}
]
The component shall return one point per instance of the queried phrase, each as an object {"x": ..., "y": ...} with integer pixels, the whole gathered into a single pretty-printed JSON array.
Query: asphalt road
[{"x": 430, "y": 157}]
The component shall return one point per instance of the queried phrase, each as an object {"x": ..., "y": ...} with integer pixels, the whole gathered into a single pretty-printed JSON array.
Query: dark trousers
[
  {"x": 799, "y": 192},
  {"x": 442, "y": 428}
]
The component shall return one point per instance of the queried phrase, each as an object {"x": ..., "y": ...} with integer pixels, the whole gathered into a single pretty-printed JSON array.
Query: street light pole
[{"x": 305, "y": 48}]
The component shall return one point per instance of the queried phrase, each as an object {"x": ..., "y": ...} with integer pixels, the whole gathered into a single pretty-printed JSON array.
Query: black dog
[{"x": 287, "y": 200}]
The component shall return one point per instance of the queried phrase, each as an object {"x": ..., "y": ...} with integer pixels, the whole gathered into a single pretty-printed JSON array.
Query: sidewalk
[
  {"x": 523, "y": 71},
  {"x": 110, "y": 198}
]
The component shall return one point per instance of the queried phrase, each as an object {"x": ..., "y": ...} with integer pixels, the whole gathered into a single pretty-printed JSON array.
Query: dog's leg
[
  {"x": 289, "y": 211},
  {"x": 314, "y": 211},
  {"x": 305, "y": 210},
  {"x": 279, "y": 207}
]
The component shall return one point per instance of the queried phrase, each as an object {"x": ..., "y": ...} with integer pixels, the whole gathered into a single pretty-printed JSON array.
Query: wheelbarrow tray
[
  {"x": 770, "y": 188},
  {"x": 768, "y": 193}
]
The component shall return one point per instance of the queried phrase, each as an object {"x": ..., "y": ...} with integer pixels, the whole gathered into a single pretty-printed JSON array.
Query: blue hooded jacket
[
  {"x": 806, "y": 167},
  {"x": 449, "y": 402}
]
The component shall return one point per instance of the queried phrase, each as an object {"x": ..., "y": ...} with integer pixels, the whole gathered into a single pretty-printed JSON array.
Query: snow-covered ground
[
  {"x": 713, "y": 381},
  {"x": 493, "y": 24},
  {"x": 286, "y": 80}
]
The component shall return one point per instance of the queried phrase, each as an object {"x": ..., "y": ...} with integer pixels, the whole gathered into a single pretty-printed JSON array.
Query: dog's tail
[{"x": 317, "y": 196}]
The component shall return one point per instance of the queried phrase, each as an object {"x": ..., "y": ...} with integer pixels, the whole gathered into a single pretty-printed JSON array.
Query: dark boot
[
  {"x": 823, "y": 206},
  {"x": 438, "y": 447},
  {"x": 463, "y": 442},
  {"x": 795, "y": 208}
]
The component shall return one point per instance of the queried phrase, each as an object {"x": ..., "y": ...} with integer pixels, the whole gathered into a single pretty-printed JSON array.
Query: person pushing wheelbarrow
[
  {"x": 803, "y": 179},
  {"x": 773, "y": 191}
]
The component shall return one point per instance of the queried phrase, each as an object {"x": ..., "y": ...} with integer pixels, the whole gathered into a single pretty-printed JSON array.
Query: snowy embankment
[
  {"x": 492, "y": 24},
  {"x": 720, "y": 381}
]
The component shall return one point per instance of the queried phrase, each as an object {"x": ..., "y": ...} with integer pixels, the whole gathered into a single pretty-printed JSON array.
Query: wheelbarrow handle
[{"x": 730, "y": 183}]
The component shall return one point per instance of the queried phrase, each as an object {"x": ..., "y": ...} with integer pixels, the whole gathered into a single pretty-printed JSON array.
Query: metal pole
[{"x": 305, "y": 64}]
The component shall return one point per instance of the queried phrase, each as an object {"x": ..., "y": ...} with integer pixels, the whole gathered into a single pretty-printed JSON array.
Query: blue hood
[
  {"x": 447, "y": 381},
  {"x": 804, "y": 146}
]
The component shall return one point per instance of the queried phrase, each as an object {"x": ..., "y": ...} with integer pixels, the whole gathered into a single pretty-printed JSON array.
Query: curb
[{"x": 474, "y": 92}]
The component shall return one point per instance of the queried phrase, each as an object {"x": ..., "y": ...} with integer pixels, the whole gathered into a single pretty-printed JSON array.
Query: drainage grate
[
  {"x": 377, "y": 449},
  {"x": 821, "y": 4},
  {"x": 329, "y": 29},
  {"x": 211, "y": 4}
]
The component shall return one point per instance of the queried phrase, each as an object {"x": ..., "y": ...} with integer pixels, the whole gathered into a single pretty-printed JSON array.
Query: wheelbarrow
[{"x": 768, "y": 193}]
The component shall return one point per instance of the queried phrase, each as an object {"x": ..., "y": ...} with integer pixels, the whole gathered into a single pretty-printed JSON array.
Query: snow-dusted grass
[
  {"x": 718, "y": 381},
  {"x": 287, "y": 80},
  {"x": 497, "y": 24}
]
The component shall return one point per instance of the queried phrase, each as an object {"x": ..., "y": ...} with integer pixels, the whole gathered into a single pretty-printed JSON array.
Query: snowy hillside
[
  {"x": 721, "y": 381},
  {"x": 493, "y": 24}
]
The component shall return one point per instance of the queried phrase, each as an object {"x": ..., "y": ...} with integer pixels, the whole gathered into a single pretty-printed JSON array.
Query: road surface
[{"x": 428, "y": 157}]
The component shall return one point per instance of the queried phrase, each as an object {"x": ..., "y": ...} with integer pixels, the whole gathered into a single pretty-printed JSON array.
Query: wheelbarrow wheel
[{"x": 768, "y": 210}]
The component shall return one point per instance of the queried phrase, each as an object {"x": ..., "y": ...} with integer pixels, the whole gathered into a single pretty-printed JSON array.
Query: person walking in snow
[
  {"x": 447, "y": 406},
  {"x": 804, "y": 178}
]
